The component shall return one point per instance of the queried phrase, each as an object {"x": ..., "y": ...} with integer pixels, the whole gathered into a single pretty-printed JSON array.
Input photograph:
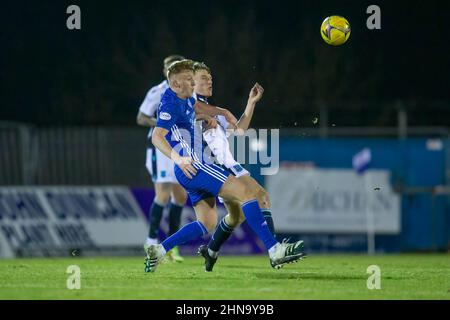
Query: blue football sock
[
  {"x": 174, "y": 217},
  {"x": 155, "y": 219},
  {"x": 189, "y": 232},
  {"x": 268, "y": 217},
  {"x": 221, "y": 234},
  {"x": 256, "y": 221}
]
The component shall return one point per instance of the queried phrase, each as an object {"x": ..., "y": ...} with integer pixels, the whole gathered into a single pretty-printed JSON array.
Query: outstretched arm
[
  {"x": 203, "y": 108},
  {"x": 254, "y": 96}
]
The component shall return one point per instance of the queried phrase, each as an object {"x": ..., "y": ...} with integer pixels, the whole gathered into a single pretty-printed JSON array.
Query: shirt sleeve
[
  {"x": 167, "y": 116},
  {"x": 223, "y": 121},
  {"x": 151, "y": 102}
]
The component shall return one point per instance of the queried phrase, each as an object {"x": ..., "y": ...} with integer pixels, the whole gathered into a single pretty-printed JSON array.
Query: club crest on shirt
[{"x": 165, "y": 116}]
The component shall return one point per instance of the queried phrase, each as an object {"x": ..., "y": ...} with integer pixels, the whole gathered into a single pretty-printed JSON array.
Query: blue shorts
[{"x": 205, "y": 184}]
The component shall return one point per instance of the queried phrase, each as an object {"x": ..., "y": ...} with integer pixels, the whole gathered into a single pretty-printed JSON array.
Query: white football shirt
[{"x": 152, "y": 100}]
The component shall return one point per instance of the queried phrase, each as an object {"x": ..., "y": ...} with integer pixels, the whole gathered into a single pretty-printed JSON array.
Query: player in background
[
  {"x": 160, "y": 168},
  {"x": 216, "y": 139},
  {"x": 175, "y": 136}
]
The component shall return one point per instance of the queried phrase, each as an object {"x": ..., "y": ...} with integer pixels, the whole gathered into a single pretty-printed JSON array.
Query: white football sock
[
  {"x": 273, "y": 249},
  {"x": 151, "y": 241},
  {"x": 213, "y": 254}
]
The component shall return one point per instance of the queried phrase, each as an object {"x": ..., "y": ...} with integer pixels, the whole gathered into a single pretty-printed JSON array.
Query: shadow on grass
[
  {"x": 300, "y": 275},
  {"x": 231, "y": 266}
]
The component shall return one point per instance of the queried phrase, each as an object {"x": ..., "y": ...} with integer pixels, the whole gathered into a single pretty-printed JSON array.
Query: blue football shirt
[{"x": 178, "y": 117}]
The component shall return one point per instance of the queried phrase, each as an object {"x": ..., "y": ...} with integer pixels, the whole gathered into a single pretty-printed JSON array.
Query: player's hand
[
  {"x": 256, "y": 93},
  {"x": 209, "y": 123},
  {"x": 185, "y": 164},
  {"x": 231, "y": 119}
]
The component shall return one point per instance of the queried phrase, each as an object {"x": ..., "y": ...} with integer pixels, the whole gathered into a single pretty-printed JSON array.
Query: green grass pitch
[{"x": 415, "y": 276}]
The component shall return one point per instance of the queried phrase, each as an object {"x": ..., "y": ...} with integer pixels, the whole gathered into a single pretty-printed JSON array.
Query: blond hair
[
  {"x": 201, "y": 66},
  {"x": 179, "y": 67}
]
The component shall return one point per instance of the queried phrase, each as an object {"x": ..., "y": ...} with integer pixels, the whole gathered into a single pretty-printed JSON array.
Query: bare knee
[
  {"x": 210, "y": 225},
  {"x": 263, "y": 198},
  {"x": 209, "y": 221},
  {"x": 248, "y": 193},
  {"x": 162, "y": 196},
  {"x": 240, "y": 219},
  {"x": 180, "y": 199},
  {"x": 206, "y": 213},
  {"x": 179, "y": 196},
  {"x": 234, "y": 220}
]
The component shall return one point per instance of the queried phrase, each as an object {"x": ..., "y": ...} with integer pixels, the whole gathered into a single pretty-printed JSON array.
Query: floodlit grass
[{"x": 424, "y": 276}]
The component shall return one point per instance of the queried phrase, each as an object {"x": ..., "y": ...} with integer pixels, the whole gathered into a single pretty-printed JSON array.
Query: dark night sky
[{"x": 99, "y": 75}]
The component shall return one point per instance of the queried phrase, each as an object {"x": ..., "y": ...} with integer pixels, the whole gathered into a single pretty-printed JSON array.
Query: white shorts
[
  {"x": 238, "y": 171},
  {"x": 160, "y": 167}
]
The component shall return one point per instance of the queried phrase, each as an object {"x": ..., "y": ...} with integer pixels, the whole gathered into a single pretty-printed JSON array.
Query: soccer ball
[{"x": 335, "y": 30}]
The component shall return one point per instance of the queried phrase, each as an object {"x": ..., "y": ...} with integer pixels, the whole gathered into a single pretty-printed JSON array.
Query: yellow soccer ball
[{"x": 335, "y": 30}]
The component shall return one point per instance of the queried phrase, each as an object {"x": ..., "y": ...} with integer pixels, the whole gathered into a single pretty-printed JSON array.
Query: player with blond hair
[{"x": 175, "y": 135}]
